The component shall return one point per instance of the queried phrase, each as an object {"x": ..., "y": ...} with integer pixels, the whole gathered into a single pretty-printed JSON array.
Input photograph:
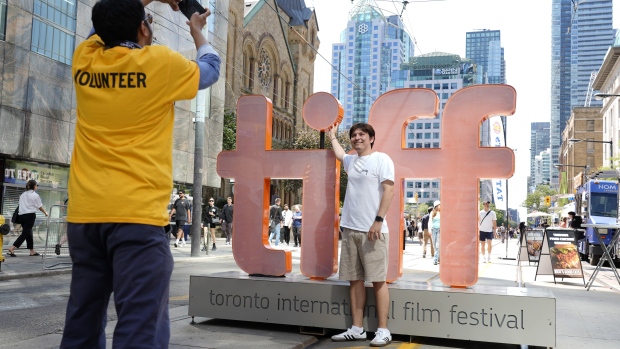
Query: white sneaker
[
  {"x": 183, "y": 245},
  {"x": 382, "y": 338},
  {"x": 489, "y": 259},
  {"x": 349, "y": 335}
]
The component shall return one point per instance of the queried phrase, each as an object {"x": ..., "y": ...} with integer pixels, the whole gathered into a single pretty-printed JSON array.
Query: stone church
[{"x": 272, "y": 46}]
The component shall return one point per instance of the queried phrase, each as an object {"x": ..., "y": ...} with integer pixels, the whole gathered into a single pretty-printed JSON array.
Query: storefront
[{"x": 52, "y": 180}]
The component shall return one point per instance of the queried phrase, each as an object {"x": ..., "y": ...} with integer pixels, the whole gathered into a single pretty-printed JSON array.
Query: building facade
[
  {"x": 585, "y": 123},
  {"x": 608, "y": 81},
  {"x": 539, "y": 141},
  {"x": 370, "y": 48},
  {"x": 445, "y": 73},
  {"x": 272, "y": 46},
  {"x": 580, "y": 37},
  {"x": 38, "y": 111}
]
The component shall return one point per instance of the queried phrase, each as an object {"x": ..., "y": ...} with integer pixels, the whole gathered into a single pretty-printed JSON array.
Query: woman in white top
[{"x": 29, "y": 203}]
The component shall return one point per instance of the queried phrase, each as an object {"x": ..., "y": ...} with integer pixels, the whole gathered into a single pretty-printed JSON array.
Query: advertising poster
[
  {"x": 533, "y": 239},
  {"x": 563, "y": 252}
]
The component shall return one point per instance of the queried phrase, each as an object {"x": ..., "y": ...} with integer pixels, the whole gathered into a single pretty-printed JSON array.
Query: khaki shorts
[{"x": 361, "y": 259}]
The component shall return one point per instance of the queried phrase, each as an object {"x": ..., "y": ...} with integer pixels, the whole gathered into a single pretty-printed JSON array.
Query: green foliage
[
  {"x": 229, "y": 136},
  {"x": 534, "y": 200},
  {"x": 310, "y": 139}
]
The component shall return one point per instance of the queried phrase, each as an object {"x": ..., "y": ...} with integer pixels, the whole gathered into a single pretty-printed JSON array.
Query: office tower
[
  {"x": 579, "y": 40},
  {"x": 371, "y": 47},
  {"x": 539, "y": 142}
]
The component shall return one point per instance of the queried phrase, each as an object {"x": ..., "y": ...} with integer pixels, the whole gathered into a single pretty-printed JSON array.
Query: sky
[{"x": 440, "y": 25}]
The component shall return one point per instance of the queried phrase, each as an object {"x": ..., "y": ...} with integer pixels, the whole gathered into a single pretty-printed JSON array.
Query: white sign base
[{"x": 489, "y": 314}]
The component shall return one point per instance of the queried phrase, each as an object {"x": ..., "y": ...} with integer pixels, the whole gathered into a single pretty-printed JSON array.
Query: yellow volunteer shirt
[{"x": 121, "y": 167}]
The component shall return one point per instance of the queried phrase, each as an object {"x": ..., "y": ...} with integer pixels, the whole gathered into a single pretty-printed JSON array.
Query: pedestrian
[
  {"x": 181, "y": 210},
  {"x": 364, "y": 253},
  {"x": 212, "y": 221},
  {"x": 428, "y": 238},
  {"x": 297, "y": 226},
  {"x": 287, "y": 222},
  {"x": 502, "y": 232},
  {"x": 487, "y": 224},
  {"x": 29, "y": 203},
  {"x": 275, "y": 222},
  {"x": 125, "y": 90},
  {"x": 434, "y": 219},
  {"x": 227, "y": 220},
  {"x": 564, "y": 223},
  {"x": 575, "y": 220}
]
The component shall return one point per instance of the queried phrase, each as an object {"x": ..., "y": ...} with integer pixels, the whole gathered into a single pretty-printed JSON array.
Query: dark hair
[
  {"x": 571, "y": 213},
  {"x": 31, "y": 184},
  {"x": 366, "y": 128},
  {"x": 115, "y": 20},
  {"x": 430, "y": 209}
]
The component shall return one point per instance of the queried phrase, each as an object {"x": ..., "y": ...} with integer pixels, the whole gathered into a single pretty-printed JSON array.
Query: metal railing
[{"x": 56, "y": 250}]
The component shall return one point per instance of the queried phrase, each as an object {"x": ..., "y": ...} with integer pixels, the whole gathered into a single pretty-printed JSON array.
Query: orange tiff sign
[{"x": 460, "y": 163}]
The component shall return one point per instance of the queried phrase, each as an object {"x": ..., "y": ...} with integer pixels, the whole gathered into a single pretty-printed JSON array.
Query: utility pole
[{"x": 203, "y": 104}]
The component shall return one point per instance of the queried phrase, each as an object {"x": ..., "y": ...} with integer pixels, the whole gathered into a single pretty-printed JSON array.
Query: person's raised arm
[{"x": 336, "y": 147}]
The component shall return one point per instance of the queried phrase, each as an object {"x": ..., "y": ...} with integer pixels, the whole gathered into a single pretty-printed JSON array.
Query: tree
[
  {"x": 534, "y": 200},
  {"x": 310, "y": 139},
  {"x": 229, "y": 136}
]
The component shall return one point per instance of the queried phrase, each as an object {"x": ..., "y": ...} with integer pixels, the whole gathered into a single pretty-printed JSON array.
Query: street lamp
[
  {"x": 601, "y": 96},
  {"x": 611, "y": 147},
  {"x": 585, "y": 169}
]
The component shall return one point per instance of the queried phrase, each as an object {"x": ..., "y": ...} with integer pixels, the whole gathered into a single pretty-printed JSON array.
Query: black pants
[
  {"x": 297, "y": 235},
  {"x": 285, "y": 235},
  {"x": 27, "y": 222}
]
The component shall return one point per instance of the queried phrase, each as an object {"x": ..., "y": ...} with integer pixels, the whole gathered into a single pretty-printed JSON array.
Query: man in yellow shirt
[{"x": 121, "y": 173}]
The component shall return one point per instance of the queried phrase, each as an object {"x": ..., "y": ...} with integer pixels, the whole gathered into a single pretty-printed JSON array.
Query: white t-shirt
[
  {"x": 29, "y": 202},
  {"x": 364, "y": 190},
  {"x": 287, "y": 217},
  {"x": 487, "y": 223}
]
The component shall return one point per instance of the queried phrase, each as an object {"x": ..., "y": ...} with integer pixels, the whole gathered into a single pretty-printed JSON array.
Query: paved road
[{"x": 33, "y": 310}]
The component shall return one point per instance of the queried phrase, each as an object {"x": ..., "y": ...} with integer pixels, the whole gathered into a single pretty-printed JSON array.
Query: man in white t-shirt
[
  {"x": 487, "y": 222},
  {"x": 364, "y": 252}
]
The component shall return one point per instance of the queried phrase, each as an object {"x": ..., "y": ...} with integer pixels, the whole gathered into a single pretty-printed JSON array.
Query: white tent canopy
[{"x": 538, "y": 214}]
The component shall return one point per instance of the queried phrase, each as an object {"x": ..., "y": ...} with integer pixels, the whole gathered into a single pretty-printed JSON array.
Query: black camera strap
[{"x": 124, "y": 43}]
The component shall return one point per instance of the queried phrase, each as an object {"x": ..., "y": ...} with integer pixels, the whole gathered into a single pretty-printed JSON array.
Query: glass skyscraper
[
  {"x": 539, "y": 142},
  {"x": 371, "y": 47},
  {"x": 485, "y": 48},
  {"x": 579, "y": 41}
]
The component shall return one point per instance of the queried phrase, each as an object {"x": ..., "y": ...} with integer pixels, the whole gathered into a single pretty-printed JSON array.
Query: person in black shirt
[
  {"x": 211, "y": 223},
  {"x": 183, "y": 215},
  {"x": 227, "y": 219},
  {"x": 275, "y": 218},
  {"x": 575, "y": 220}
]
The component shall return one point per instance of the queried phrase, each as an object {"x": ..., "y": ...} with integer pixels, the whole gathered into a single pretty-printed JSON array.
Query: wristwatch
[{"x": 378, "y": 219}]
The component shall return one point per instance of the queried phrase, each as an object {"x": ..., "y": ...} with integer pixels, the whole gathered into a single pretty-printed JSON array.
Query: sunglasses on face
[{"x": 210, "y": 200}]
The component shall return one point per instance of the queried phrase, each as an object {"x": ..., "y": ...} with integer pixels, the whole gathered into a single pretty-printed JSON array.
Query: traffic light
[{"x": 548, "y": 200}]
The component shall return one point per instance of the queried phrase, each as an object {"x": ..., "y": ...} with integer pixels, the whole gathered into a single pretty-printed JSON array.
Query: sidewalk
[
  {"x": 583, "y": 318},
  {"x": 25, "y": 266}
]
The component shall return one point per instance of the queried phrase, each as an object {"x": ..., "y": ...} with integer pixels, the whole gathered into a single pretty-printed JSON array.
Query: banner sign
[
  {"x": 533, "y": 240},
  {"x": 490, "y": 314},
  {"x": 496, "y": 133},
  {"x": 46, "y": 175},
  {"x": 564, "y": 255}
]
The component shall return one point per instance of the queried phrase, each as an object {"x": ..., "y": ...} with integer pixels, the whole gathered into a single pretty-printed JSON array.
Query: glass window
[
  {"x": 435, "y": 185},
  {"x": 444, "y": 86},
  {"x": 434, "y": 195},
  {"x": 418, "y": 145},
  {"x": 426, "y": 195},
  {"x": 418, "y": 136},
  {"x": 427, "y": 135},
  {"x": 410, "y": 136},
  {"x": 436, "y": 125},
  {"x": 409, "y": 194},
  {"x": 427, "y": 145},
  {"x": 453, "y": 86},
  {"x": 436, "y": 87},
  {"x": 427, "y": 184},
  {"x": 427, "y": 125},
  {"x": 418, "y": 184},
  {"x": 419, "y": 126},
  {"x": 53, "y": 29},
  {"x": 435, "y": 134},
  {"x": 409, "y": 145},
  {"x": 445, "y": 95},
  {"x": 410, "y": 185},
  {"x": 429, "y": 86},
  {"x": 435, "y": 144},
  {"x": 3, "y": 20},
  {"x": 411, "y": 126}
]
